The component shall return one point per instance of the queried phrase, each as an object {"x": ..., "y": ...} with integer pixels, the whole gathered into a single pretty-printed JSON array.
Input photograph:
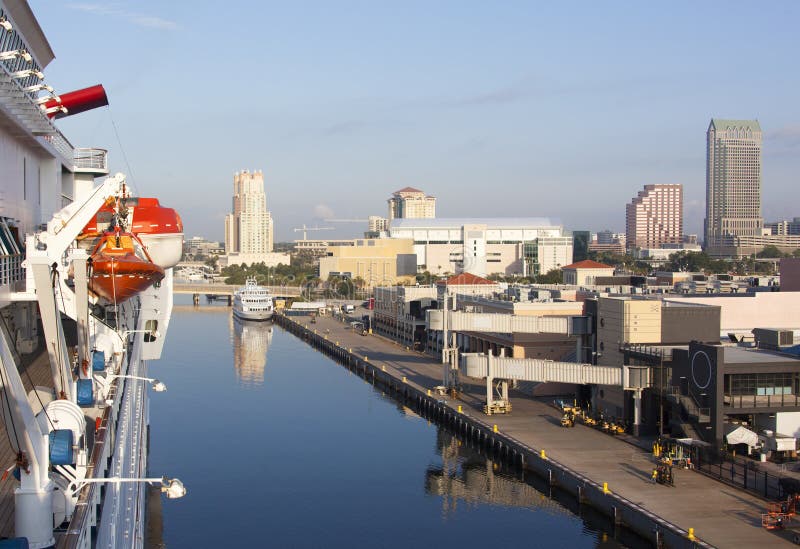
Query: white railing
[{"x": 91, "y": 159}]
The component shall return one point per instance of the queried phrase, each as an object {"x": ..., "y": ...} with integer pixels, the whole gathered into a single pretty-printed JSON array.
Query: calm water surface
[{"x": 279, "y": 446}]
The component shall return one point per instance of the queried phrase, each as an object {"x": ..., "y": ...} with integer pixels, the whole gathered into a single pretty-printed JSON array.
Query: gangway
[
  {"x": 503, "y": 369},
  {"x": 459, "y": 321}
]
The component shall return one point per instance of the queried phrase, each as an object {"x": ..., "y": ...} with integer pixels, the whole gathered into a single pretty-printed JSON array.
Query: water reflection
[
  {"x": 250, "y": 345},
  {"x": 467, "y": 476}
]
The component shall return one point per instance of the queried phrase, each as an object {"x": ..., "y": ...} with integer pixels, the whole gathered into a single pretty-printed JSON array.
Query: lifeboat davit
[
  {"x": 159, "y": 228},
  {"x": 121, "y": 267}
]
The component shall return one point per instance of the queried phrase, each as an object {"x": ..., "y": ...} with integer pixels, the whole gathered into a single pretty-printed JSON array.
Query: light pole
[
  {"x": 158, "y": 386},
  {"x": 171, "y": 487}
]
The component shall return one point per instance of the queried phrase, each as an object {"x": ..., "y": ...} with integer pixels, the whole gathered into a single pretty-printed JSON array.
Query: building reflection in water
[
  {"x": 250, "y": 344},
  {"x": 467, "y": 476}
]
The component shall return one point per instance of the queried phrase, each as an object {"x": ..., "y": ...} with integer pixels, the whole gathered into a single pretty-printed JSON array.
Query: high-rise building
[
  {"x": 248, "y": 229},
  {"x": 733, "y": 183},
  {"x": 411, "y": 203},
  {"x": 377, "y": 224},
  {"x": 655, "y": 217}
]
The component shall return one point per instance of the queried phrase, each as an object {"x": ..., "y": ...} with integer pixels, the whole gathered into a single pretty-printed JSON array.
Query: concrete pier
[{"x": 599, "y": 470}]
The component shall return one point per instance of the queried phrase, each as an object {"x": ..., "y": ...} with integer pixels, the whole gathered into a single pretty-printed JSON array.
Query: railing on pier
[
  {"x": 761, "y": 401},
  {"x": 228, "y": 289},
  {"x": 741, "y": 472}
]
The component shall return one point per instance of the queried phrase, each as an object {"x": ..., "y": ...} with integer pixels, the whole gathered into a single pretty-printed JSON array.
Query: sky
[{"x": 553, "y": 109}]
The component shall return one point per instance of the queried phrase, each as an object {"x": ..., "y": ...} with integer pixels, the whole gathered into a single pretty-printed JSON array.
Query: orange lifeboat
[
  {"x": 121, "y": 268},
  {"x": 160, "y": 229}
]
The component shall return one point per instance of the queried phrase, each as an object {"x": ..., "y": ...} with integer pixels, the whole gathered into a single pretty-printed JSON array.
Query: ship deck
[{"x": 35, "y": 371}]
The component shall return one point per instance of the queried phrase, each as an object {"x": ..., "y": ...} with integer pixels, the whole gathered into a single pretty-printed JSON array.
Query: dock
[{"x": 608, "y": 473}]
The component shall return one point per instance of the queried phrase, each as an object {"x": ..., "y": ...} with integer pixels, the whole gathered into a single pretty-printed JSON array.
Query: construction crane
[{"x": 306, "y": 229}]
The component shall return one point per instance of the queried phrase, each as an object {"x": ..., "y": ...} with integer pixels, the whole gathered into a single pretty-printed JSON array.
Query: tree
[
  {"x": 553, "y": 276},
  {"x": 770, "y": 252}
]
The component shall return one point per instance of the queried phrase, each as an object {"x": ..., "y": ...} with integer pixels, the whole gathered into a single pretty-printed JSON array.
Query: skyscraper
[
  {"x": 733, "y": 183},
  {"x": 655, "y": 217},
  {"x": 411, "y": 203},
  {"x": 248, "y": 229}
]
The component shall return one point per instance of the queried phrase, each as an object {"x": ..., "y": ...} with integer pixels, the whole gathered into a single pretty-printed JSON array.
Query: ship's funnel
[{"x": 78, "y": 101}]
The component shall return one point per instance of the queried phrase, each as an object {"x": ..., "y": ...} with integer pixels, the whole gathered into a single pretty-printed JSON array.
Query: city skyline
[{"x": 550, "y": 112}]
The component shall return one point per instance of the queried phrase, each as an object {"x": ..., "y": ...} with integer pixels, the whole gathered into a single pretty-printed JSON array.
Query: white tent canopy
[{"x": 737, "y": 434}]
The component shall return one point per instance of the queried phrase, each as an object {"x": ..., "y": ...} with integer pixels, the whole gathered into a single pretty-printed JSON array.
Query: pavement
[{"x": 721, "y": 515}]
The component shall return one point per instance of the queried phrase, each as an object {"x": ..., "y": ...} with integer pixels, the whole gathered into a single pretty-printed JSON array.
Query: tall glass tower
[{"x": 733, "y": 182}]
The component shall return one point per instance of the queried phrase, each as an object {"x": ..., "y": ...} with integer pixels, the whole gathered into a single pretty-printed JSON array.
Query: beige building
[
  {"x": 584, "y": 273},
  {"x": 378, "y": 261},
  {"x": 411, "y": 203},
  {"x": 624, "y": 322},
  {"x": 655, "y": 217},
  {"x": 733, "y": 184},
  {"x": 249, "y": 227}
]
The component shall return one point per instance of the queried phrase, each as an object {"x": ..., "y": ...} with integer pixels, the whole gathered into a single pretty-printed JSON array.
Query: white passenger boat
[{"x": 253, "y": 302}]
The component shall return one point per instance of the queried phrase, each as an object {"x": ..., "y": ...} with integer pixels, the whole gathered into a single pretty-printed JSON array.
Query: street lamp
[
  {"x": 158, "y": 386},
  {"x": 171, "y": 487}
]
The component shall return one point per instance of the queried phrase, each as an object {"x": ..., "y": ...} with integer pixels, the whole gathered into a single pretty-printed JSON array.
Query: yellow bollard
[
  {"x": 350, "y": 351},
  {"x": 366, "y": 358},
  {"x": 406, "y": 347},
  {"x": 460, "y": 411},
  {"x": 337, "y": 343},
  {"x": 605, "y": 488},
  {"x": 405, "y": 380},
  {"x": 383, "y": 368},
  {"x": 542, "y": 455},
  {"x": 494, "y": 427},
  {"x": 690, "y": 535},
  {"x": 429, "y": 392}
]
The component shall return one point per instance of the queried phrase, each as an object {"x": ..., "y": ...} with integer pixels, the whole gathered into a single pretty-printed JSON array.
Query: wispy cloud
[
  {"x": 343, "y": 127},
  {"x": 139, "y": 19},
  {"x": 323, "y": 211},
  {"x": 501, "y": 96},
  {"x": 783, "y": 141}
]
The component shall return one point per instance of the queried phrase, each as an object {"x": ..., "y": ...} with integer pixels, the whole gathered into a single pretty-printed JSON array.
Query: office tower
[
  {"x": 410, "y": 203},
  {"x": 655, "y": 217},
  {"x": 248, "y": 229},
  {"x": 733, "y": 183}
]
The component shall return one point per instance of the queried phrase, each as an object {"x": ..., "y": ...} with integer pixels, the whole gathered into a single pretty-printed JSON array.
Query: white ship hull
[{"x": 253, "y": 315}]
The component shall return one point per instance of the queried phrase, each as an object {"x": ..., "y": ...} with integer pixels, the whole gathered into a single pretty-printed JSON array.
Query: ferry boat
[
  {"x": 253, "y": 302},
  {"x": 76, "y": 428}
]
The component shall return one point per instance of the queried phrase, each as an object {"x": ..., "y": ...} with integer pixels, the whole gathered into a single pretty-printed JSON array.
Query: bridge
[{"x": 196, "y": 288}]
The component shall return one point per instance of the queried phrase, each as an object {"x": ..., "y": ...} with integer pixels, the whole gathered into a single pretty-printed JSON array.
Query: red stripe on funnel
[{"x": 79, "y": 101}]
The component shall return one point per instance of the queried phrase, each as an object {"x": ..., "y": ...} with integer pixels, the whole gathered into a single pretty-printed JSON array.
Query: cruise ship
[{"x": 79, "y": 324}]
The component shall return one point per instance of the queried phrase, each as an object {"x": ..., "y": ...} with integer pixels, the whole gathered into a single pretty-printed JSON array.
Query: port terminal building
[{"x": 484, "y": 246}]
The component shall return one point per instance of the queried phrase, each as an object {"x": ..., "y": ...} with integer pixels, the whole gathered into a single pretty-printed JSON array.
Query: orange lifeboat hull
[
  {"x": 118, "y": 273},
  {"x": 159, "y": 228}
]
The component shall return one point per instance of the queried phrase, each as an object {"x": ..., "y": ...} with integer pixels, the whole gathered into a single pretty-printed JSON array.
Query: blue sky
[{"x": 551, "y": 109}]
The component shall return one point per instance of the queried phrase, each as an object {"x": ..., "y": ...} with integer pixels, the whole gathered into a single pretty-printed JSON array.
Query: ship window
[{"x": 151, "y": 333}]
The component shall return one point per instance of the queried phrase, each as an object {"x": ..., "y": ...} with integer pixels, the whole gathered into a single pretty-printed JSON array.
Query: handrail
[{"x": 93, "y": 159}]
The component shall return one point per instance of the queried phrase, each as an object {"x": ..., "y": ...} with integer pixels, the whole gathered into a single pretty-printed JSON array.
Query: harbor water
[{"x": 280, "y": 446}]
